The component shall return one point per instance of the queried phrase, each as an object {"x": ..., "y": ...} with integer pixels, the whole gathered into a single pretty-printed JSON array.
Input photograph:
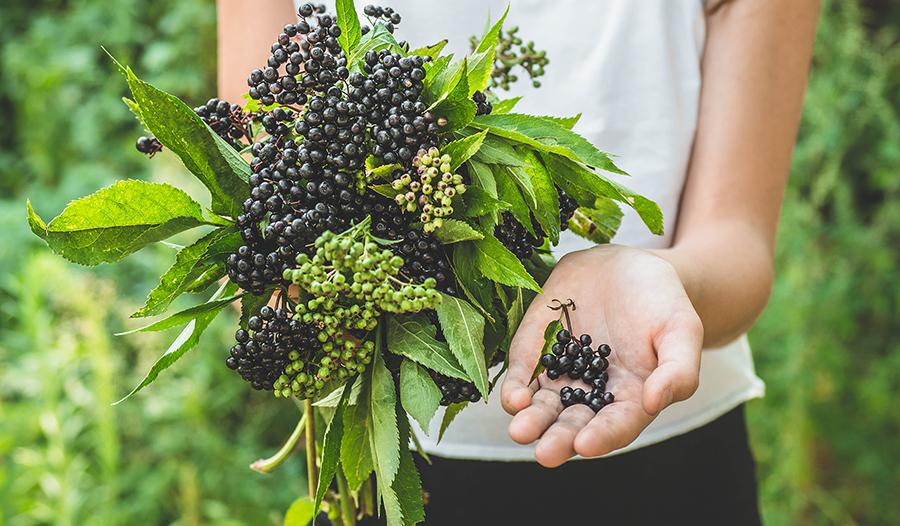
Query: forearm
[
  {"x": 727, "y": 271},
  {"x": 246, "y": 30}
]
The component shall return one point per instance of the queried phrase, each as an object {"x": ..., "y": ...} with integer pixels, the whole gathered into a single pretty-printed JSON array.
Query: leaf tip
[{"x": 37, "y": 225}]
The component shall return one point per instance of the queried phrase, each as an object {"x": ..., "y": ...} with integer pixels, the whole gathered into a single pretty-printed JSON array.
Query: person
[{"x": 700, "y": 102}]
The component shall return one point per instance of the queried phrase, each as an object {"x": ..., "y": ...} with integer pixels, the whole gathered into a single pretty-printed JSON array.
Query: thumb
[
  {"x": 524, "y": 352},
  {"x": 677, "y": 374}
]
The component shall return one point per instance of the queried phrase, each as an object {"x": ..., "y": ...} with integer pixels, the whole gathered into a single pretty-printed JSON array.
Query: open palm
[{"x": 634, "y": 301}]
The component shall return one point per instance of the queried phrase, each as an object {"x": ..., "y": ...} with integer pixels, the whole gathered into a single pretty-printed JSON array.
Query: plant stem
[
  {"x": 267, "y": 465},
  {"x": 311, "y": 475},
  {"x": 348, "y": 510},
  {"x": 369, "y": 497}
]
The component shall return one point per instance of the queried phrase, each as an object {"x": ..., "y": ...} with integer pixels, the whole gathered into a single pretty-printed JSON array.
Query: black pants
[{"x": 703, "y": 477}]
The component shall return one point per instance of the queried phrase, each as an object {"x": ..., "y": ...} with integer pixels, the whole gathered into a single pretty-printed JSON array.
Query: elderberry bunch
[
  {"x": 577, "y": 359},
  {"x": 389, "y": 18},
  {"x": 429, "y": 187},
  {"x": 511, "y": 53},
  {"x": 261, "y": 354},
  {"x": 522, "y": 242},
  {"x": 482, "y": 105},
  {"x": 454, "y": 390},
  {"x": 392, "y": 94},
  {"x": 229, "y": 121},
  {"x": 334, "y": 132}
]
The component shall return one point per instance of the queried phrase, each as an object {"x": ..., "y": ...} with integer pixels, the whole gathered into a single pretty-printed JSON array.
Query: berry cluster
[
  {"x": 429, "y": 188},
  {"x": 511, "y": 52},
  {"x": 577, "y": 359},
  {"x": 392, "y": 93},
  {"x": 228, "y": 120},
  {"x": 386, "y": 15},
  {"x": 482, "y": 105},
  {"x": 261, "y": 355},
  {"x": 454, "y": 390},
  {"x": 519, "y": 240}
]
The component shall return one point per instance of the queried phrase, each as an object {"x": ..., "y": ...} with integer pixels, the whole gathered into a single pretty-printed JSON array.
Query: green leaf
[
  {"x": 348, "y": 20},
  {"x": 403, "y": 499},
  {"x": 478, "y": 203},
  {"x": 333, "y": 398},
  {"x": 462, "y": 149},
  {"x": 498, "y": 151},
  {"x": 482, "y": 177},
  {"x": 385, "y": 189},
  {"x": 191, "y": 263},
  {"x": 185, "y": 341},
  {"x": 418, "y": 393},
  {"x": 546, "y": 135},
  {"x": 454, "y": 231},
  {"x": 356, "y": 452},
  {"x": 481, "y": 62},
  {"x": 463, "y": 328},
  {"x": 514, "y": 317},
  {"x": 472, "y": 282},
  {"x": 414, "y": 338},
  {"x": 566, "y": 122},
  {"x": 221, "y": 169},
  {"x": 300, "y": 513},
  {"x": 505, "y": 105},
  {"x": 375, "y": 40},
  {"x": 380, "y": 172},
  {"x": 510, "y": 192},
  {"x": 498, "y": 264},
  {"x": 331, "y": 448},
  {"x": 432, "y": 51},
  {"x": 450, "y": 414},
  {"x": 597, "y": 224},
  {"x": 546, "y": 209},
  {"x": 184, "y": 316},
  {"x": 384, "y": 436},
  {"x": 549, "y": 339},
  {"x": 455, "y": 104},
  {"x": 436, "y": 74},
  {"x": 117, "y": 221},
  {"x": 585, "y": 185}
]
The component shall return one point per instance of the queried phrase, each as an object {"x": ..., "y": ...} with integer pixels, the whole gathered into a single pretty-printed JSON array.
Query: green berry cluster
[
  {"x": 341, "y": 357},
  {"x": 430, "y": 188},
  {"x": 512, "y": 52}
]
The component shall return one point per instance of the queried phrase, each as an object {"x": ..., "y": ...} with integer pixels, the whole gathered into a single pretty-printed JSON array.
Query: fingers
[
  {"x": 524, "y": 350},
  {"x": 677, "y": 375},
  {"x": 613, "y": 427},
  {"x": 530, "y": 423},
  {"x": 557, "y": 445}
]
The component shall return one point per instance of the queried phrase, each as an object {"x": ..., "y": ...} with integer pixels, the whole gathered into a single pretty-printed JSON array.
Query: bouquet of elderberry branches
[{"x": 382, "y": 216}]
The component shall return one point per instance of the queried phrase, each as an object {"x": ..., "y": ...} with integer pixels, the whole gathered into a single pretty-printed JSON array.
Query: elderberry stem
[
  {"x": 348, "y": 510},
  {"x": 267, "y": 465},
  {"x": 311, "y": 475}
]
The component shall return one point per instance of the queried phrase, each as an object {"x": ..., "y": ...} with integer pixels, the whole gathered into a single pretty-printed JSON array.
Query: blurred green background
[{"x": 828, "y": 346}]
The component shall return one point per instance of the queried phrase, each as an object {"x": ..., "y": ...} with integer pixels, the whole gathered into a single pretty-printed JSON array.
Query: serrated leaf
[
  {"x": 479, "y": 203},
  {"x": 380, "y": 172},
  {"x": 546, "y": 209},
  {"x": 454, "y": 231},
  {"x": 463, "y": 329},
  {"x": 185, "y": 341},
  {"x": 348, "y": 20},
  {"x": 375, "y": 40},
  {"x": 184, "y": 316},
  {"x": 481, "y": 62},
  {"x": 190, "y": 264},
  {"x": 356, "y": 452},
  {"x": 510, "y": 192},
  {"x": 215, "y": 163},
  {"x": 505, "y": 105},
  {"x": 384, "y": 436},
  {"x": 117, "y": 221},
  {"x": 435, "y": 71},
  {"x": 514, "y": 316},
  {"x": 462, "y": 149},
  {"x": 496, "y": 150},
  {"x": 454, "y": 104},
  {"x": 403, "y": 499},
  {"x": 482, "y": 177},
  {"x": 331, "y": 448},
  {"x": 418, "y": 393},
  {"x": 566, "y": 122},
  {"x": 549, "y": 339},
  {"x": 546, "y": 135},
  {"x": 449, "y": 415},
  {"x": 585, "y": 186},
  {"x": 498, "y": 264},
  {"x": 300, "y": 513},
  {"x": 334, "y": 397},
  {"x": 432, "y": 51},
  {"x": 473, "y": 284},
  {"x": 598, "y": 224},
  {"x": 385, "y": 189},
  {"x": 414, "y": 338},
  {"x": 211, "y": 275}
]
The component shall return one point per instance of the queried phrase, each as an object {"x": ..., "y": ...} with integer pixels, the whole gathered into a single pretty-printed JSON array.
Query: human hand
[{"x": 631, "y": 299}]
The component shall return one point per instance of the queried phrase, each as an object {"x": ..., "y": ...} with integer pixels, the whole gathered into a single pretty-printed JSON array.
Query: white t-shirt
[{"x": 632, "y": 68}]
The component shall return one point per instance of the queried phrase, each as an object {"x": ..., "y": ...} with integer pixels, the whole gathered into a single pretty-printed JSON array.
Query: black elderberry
[{"x": 149, "y": 146}]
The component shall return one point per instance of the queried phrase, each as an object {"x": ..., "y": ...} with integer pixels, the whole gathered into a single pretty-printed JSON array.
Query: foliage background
[{"x": 825, "y": 436}]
